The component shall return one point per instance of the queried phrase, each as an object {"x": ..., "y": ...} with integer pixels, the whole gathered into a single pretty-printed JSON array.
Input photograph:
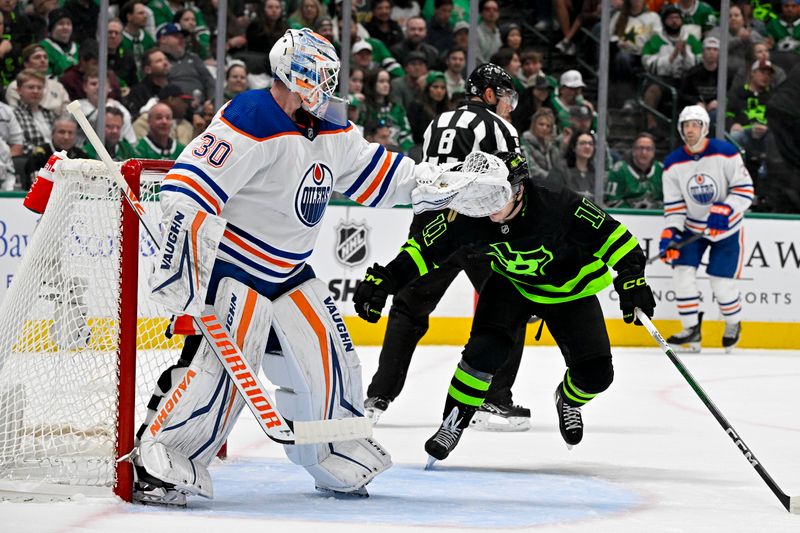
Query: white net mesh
[{"x": 59, "y": 335}]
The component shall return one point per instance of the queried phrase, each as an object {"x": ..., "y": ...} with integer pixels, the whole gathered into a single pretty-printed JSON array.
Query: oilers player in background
[
  {"x": 247, "y": 197},
  {"x": 550, "y": 251},
  {"x": 707, "y": 190}
]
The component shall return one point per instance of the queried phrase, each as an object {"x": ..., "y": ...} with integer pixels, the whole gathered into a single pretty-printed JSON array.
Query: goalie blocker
[{"x": 309, "y": 357}]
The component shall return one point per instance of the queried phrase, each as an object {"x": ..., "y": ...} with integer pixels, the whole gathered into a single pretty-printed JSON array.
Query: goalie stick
[
  {"x": 238, "y": 368},
  {"x": 791, "y": 503}
]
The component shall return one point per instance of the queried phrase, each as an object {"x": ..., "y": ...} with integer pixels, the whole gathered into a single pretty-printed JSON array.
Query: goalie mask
[
  {"x": 694, "y": 112},
  {"x": 308, "y": 65}
]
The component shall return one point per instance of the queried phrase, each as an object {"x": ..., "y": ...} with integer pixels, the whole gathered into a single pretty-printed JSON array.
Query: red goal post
[{"x": 81, "y": 344}]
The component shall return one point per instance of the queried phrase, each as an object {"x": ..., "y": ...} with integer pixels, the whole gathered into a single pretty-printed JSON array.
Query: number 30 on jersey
[{"x": 214, "y": 150}]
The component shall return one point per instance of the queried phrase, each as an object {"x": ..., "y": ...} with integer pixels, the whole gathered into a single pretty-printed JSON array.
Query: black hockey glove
[
  {"x": 372, "y": 292},
  {"x": 634, "y": 292}
]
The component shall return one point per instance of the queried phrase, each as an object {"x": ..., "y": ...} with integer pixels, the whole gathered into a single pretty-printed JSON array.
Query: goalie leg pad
[
  {"x": 186, "y": 258},
  {"x": 319, "y": 378},
  {"x": 195, "y": 415}
]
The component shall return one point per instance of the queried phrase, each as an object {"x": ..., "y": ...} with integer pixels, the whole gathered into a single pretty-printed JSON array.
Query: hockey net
[{"x": 78, "y": 355}]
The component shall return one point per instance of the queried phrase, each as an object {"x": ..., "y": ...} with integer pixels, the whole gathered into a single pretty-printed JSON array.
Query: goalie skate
[
  {"x": 360, "y": 492},
  {"x": 163, "y": 497},
  {"x": 501, "y": 417}
]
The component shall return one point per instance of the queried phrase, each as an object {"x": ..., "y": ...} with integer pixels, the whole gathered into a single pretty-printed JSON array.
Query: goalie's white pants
[
  {"x": 687, "y": 293},
  {"x": 315, "y": 367}
]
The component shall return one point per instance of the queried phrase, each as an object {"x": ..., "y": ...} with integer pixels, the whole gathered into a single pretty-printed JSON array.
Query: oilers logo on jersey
[
  {"x": 313, "y": 194},
  {"x": 702, "y": 188}
]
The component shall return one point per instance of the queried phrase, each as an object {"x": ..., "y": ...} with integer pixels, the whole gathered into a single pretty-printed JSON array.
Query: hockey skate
[
  {"x": 569, "y": 419},
  {"x": 445, "y": 439},
  {"x": 374, "y": 407},
  {"x": 148, "y": 490},
  {"x": 501, "y": 417},
  {"x": 360, "y": 492},
  {"x": 688, "y": 340},
  {"x": 731, "y": 336}
]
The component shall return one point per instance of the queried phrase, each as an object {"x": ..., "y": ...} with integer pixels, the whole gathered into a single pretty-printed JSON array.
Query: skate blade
[
  {"x": 729, "y": 349},
  {"x": 171, "y": 499},
  {"x": 431, "y": 461},
  {"x": 360, "y": 492},
  {"x": 690, "y": 347},
  {"x": 498, "y": 423}
]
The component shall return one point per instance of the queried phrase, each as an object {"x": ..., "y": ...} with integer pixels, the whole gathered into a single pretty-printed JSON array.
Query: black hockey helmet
[
  {"x": 517, "y": 167},
  {"x": 487, "y": 76}
]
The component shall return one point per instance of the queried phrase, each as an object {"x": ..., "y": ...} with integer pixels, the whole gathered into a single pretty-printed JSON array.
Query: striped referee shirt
[{"x": 453, "y": 135}]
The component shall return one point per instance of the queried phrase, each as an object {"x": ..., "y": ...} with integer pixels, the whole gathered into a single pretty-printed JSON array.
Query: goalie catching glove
[
  {"x": 634, "y": 292},
  {"x": 372, "y": 292},
  {"x": 476, "y": 188}
]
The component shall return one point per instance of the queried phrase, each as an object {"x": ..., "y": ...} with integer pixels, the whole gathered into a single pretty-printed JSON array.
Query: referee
[{"x": 449, "y": 138}]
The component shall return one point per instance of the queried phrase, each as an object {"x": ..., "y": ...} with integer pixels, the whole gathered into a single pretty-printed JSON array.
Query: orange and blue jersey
[
  {"x": 693, "y": 182},
  {"x": 271, "y": 179}
]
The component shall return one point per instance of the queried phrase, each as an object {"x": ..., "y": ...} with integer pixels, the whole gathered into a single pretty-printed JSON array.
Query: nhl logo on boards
[
  {"x": 351, "y": 243},
  {"x": 702, "y": 189},
  {"x": 313, "y": 194}
]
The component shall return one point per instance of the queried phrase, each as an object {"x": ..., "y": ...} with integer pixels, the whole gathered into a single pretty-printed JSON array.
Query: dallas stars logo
[{"x": 519, "y": 263}]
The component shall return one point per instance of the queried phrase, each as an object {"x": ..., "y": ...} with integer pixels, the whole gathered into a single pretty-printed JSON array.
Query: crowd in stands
[{"x": 408, "y": 65}]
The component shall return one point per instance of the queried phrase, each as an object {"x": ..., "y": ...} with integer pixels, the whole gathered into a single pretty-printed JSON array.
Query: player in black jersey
[
  {"x": 550, "y": 252},
  {"x": 449, "y": 138}
]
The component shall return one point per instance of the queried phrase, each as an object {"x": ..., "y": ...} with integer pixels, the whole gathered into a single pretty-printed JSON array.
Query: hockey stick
[
  {"x": 678, "y": 246},
  {"x": 791, "y": 503},
  {"x": 236, "y": 365}
]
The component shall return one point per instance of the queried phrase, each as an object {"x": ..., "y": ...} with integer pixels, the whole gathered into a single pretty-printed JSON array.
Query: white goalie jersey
[
  {"x": 271, "y": 180},
  {"x": 694, "y": 182}
]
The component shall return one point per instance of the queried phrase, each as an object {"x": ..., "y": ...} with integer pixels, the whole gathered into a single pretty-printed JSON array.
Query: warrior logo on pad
[{"x": 313, "y": 194}]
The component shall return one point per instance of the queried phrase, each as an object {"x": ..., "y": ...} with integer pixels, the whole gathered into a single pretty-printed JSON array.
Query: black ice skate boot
[
  {"x": 731, "y": 336},
  {"x": 688, "y": 340},
  {"x": 501, "y": 417},
  {"x": 445, "y": 439},
  {"x": 569, "y": 418},
  {"x": 374, "y": 407}
]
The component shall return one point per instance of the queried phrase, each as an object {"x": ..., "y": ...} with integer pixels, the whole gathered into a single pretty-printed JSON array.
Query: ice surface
[{"x": 652, "y": 459}]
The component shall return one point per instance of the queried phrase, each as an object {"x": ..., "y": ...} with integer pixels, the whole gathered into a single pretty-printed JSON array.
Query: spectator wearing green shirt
[
  {"x": 164, "y": 13},
  {"x": 158, "y": 144},
  {"x": 698, "y": 13},
  {"x": 197, "y": 39},
  {"x": 62, "y": 52},
  {"x": 381, "y": 108},
  {"x": 668, "y": 55},
  {"x": 785, "y": 30},
  {"x": 636, "y": 182},
  {"x": 117, "y": 147},
  {"x": 135, "y": 40}
]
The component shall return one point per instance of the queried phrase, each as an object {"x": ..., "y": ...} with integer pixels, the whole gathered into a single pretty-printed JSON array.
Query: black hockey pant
[
  {"x": 578, "y": 328},
  {"x": 408, "y": 323}
]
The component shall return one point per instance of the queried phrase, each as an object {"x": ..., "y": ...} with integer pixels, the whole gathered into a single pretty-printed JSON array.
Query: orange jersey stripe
[
  {"x": 378, "y": 179},
  {"x": 196, "y": 188},
  {"x": 196, "y": 223},
  {"x": 310, "y": 315},
  {"x": 240, "y": 242}
]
